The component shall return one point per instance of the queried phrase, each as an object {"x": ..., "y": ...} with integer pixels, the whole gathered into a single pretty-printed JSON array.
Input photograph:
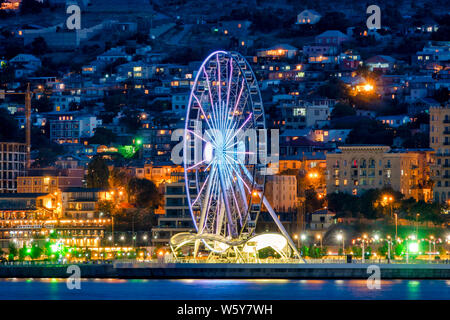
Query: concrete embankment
[
  {"x": 56, "y": 271},
  {"x": 280, "y": 271},
  {"x": 230, "y": 271}
]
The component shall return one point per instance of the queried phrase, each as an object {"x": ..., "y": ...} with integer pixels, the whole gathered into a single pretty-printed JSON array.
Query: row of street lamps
[{"x": 365, "y": 239}]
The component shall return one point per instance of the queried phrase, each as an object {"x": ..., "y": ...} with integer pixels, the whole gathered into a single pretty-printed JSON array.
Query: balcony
[
  {"x": 446, "y": 121},
  {"x": 446, "y": 131}
]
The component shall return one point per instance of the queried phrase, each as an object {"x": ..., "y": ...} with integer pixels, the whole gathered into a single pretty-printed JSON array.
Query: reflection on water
[{"x": 258, "y": 289}]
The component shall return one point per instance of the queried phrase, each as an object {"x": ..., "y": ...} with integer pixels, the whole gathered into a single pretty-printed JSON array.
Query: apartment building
[
  {"x": 12, "y": 165},
  {"x": 24, "y": 216},
  {"x": 440, "y": 143},
  {"x": 49, "y": 180},
  {"x": 357, "y": 168},
  {"x": 70, "y": 128},
  {"x": 281, "y": 191},
  {"x": 177, "y": 217}
]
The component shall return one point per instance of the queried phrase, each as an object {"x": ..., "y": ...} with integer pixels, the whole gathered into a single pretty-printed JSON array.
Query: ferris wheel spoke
[
  {"x": 230, "y": 71},
  {"x": 197, "y": 135},
  {"x": 211, "y": 98},
  {"x": 203, "y": 111},
  {"x": 240, "y": 128},
  {"x": 223, "y": 190},
  {"x": 207, "y": 200},
  {"x": 233, "y": 194},
  {"x": 200, "y": 191},
  {"x": 237, "y": 173},
  {"x": 237, "y": 101},
  {"x": 219, "y": 87},
  {"x": 196, "y": 165}
]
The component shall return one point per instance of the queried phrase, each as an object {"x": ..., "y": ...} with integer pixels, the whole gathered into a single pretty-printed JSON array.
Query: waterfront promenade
[{"x": 159, "y": 270}]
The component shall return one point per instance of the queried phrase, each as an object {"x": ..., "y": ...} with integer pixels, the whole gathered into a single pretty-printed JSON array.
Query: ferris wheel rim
[{"x": 250, "y": 104}]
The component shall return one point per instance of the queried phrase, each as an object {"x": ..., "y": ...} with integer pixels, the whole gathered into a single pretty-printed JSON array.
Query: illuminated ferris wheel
[{"x": 224, "y": 179}]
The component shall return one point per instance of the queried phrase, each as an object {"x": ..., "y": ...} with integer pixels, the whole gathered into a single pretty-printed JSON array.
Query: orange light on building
[{"x": 313, "y": 175}]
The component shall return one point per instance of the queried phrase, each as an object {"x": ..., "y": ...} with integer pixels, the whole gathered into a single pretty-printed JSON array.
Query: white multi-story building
[
  {"x": 71, "y": 128},
  {"x": 177, "y": 217}
]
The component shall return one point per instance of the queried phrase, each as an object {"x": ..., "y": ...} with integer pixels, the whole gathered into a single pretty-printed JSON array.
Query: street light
[
  {"x": 320, "y": 238},
  {"x": 340, "y": 237},
  {"x": 296, "y": 237},
  {"x": 396, "y": 218},
  {"x": 387, "y": 200},
  {"x": 389, "y": 248},
  {"x": 417, "y": 223},
  {"x": 362, "y": 242}
]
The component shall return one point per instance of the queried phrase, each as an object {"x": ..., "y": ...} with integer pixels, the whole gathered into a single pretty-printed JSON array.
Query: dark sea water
[{"x": 54, "y": 289}]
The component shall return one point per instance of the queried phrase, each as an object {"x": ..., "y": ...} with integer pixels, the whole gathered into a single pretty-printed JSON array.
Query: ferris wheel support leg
[
  {"x": 281, "y": 227},
  {"x": 196, "y": 245},
  {"x": 227, "y": 204}
]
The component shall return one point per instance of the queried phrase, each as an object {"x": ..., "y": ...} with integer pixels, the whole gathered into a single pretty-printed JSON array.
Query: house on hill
[{"x": 308, "y": 17}]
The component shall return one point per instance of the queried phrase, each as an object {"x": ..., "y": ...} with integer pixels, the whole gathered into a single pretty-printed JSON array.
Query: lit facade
[
  {"x": 177, "y": 217},
  {"x": 24, "y": 217},
  {"x": 281, "y": 192},
  {"x": 161, "y": 173},
  {"x": 49, "y": 181},
  {"x": 12, "y": 165},
  {"x": 440, "y": 143},
  {"x": 355, "y": 169}
]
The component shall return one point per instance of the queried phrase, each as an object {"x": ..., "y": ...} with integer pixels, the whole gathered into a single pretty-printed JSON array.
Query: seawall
[
  {"x": 229, "y": 271},
  {"x": 281, "y": 271}
]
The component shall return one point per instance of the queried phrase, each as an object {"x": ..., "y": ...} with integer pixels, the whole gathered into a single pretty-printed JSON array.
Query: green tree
[
  {"x": 333, "y": 89},
  {"x": 143, "y": 193},
  {"x": 342, "y": 110},
  {"x": 383, "y": 249},
  {"x": 357, "y": 251},
  {"x": 98, "y": 173},
  {"x": 103, "y": 136},
  {"x": 39, "y": 46},
  {"x": 36, "y": 252},
  {"x": 442, "y": 95},
  {"x": 12, "y": 251},
  {"x": 43, "y": 104},
  {"x": 107, "y": 207},
  {"x": 9, "y": 127},
  {"x": 399, "y": 248},
  {"x": 304, "y": 251}
]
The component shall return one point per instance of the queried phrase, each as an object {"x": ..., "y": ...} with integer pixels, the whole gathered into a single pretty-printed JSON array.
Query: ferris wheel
[{"x": 224, "y": 179}]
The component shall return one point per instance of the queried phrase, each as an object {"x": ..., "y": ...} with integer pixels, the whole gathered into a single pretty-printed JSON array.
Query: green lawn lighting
[{"x": 413, "y": 247}]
